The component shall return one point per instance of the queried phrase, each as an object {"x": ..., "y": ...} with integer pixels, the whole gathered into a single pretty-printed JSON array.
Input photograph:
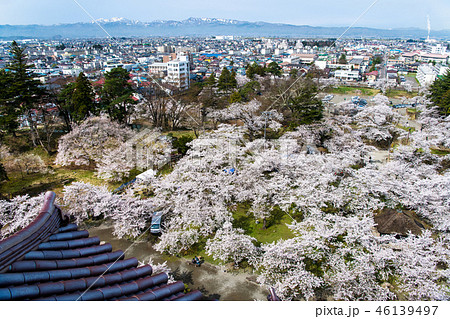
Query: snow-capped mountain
[
  {"x": 116, "y": 20},
  {"x": 122, "y": 27}
]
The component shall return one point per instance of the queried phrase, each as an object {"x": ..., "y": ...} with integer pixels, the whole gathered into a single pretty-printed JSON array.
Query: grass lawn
[
  {"x": 406, "y": 128},
  {"x": 276, "y": 229},
  {"x": 354, "y": 90},
  {"x": 201, "y": 252},
  {"x": 34, "y": 184},
  {"x": 400, "y": 93},
  {"x": 180, "y": 133},
  {"x": 438, "y": 151},
  {"x": 411, "y": 75},
  {"x": 276, "y": 225}
]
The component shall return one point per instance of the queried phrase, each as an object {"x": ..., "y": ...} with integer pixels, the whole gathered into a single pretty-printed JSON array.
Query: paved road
[
  {"x": 339, "y": 98},
  {"x": 212, "y": 280}
]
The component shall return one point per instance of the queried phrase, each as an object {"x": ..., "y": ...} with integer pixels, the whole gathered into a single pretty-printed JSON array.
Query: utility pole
[{"x": 267, "y": 115}]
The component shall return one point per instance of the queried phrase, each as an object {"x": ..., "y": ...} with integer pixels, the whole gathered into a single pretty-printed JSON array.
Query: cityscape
[{"x": 224, "y": 166}]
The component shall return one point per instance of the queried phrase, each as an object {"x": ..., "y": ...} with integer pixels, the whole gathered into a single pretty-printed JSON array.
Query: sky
[{"x": 384, "y": 13}]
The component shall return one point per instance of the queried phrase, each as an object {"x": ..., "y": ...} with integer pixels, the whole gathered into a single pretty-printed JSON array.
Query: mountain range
[{"x": 121, "y": 27}]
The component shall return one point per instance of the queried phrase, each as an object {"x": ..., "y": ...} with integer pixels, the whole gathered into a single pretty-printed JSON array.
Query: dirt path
[{"x": 212, "y": 280}]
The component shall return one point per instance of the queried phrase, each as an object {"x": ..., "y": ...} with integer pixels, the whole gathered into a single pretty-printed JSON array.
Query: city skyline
[{"x": 383, "y": 14}]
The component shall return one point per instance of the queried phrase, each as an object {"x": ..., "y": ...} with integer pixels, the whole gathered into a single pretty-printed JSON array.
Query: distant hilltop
[{"x": 121, "y": 27}]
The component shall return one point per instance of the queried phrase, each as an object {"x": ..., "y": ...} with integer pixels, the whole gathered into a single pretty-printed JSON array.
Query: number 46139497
[{"x": 407, "y": 310}]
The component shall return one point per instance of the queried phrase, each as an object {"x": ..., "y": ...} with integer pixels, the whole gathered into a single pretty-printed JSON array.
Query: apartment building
[
  {"x": 347, "y": 75},
  {"x": 427, "y": 73},
  {"x": 178, "y": 72}
]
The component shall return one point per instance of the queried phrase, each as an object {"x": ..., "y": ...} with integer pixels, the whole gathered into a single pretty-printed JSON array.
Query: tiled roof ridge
[{"x": 53, "y": 260}]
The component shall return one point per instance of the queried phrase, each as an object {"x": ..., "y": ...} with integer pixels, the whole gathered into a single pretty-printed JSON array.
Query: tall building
[
  {"x": 436, "y": 49},
  {"x": 427, "y": 73},
  {"x": 178, "y": 72}
]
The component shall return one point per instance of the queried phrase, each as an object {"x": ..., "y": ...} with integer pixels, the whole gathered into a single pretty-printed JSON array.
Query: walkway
[{"x": 210, "y": 279}]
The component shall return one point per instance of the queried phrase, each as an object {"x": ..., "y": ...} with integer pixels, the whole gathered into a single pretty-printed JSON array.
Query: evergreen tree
[
  {"x": 247, "y": 92},
  {"x": 65, "y": 103},
  {"x": 116, "y": 95},
  {"x": 274, "y": 68},
  {"x": 211, "y": 81},
  {"x": 293, "y": 73},
  {"x": 77, "y": 100},
  {"x": 8, "y": 110},
  {"x": 227, "y": 80},
  {"x": 233, "y": 81},
  {"x": 235, "y": 97},
  {"x": 306, "y": 108},
  {"x": 342, "y": 59},
  {"x": 26, "y": 92},
  {"x": 253, "y": 69},
  {"x": 3, "y": 173},
  {"x": 440, "y": 93}
]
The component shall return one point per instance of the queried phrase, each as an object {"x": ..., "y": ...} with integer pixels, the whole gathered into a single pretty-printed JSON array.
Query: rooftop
[{"x": 53, "y": 260}]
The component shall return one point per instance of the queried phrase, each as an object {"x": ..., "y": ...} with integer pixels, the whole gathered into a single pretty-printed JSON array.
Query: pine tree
[
  {"x": 253, "y": 69},
  {"x": 233, "y": 82},
  {"x": 77, "y": 99},
  {"x": 116, "y": 95},
  {"x": 224, "y": 80},
  {"x": 8, "y": 110},
  {"x": 227, "y": 80},
  {"x": 211, "y": 81},
  {"x": 274, "y": 68},
  {"x": 342, "y": 59},
  {"x": 26, "y": 92},
  {"x": 440, "y": 93},
  {"x": 306, "y": 108}
]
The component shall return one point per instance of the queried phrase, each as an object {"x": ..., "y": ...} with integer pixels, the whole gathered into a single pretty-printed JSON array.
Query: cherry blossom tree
[
  {"x": 18, "y": 213},
  {"x": 330, "y": 196},
  {"x": 230, "y": 244},
  {"x": 87, "y": 143},
  {"x": 248, "y": 114},
  {"x": 28, "y": 163},
  {"x": 130, "y": 215}
]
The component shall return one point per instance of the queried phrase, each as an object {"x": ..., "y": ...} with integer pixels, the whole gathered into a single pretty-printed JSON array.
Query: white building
[
  {"x": 437, "y": 58},
  {"x": 158, "y": 67},
  {"x": 292, "y": 59},
  {"x": 320, "y": 64},
  {"x": 178, "y": 72},
  {"x": 436, "y": 49},
  {"x": 71, "y": 72},
  {"x": 426, "y": 74},
  {"x": 347, "y": 75},
  {"x": 146, "y": 60}
]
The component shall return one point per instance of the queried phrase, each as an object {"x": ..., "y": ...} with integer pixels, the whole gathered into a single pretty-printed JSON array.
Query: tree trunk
[{"x": 32, "y": 129}]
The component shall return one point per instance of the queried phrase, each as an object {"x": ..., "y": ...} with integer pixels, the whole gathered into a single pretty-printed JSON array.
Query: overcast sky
[{"x": 384, "y": 14}]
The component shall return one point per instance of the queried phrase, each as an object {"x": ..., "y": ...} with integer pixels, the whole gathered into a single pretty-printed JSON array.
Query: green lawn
[
  {"x": 276, "y": 225},
  {"x": 406, "y": 128},
  {"x": 181, "y": 133},
  {"x": 276, "y": 229},
  {"x": 354, "y": 90},
  {"x": 34, "y": 184},
  {"x": 400, "y": 93},
  {"x": 441, "y": 152}
]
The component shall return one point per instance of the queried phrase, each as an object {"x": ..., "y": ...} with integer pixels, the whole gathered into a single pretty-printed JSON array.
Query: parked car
[
  {"x": 155, "y": 227},
  {"x": 355, "y": 99},
  {"x": 328, "y": 98}
]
